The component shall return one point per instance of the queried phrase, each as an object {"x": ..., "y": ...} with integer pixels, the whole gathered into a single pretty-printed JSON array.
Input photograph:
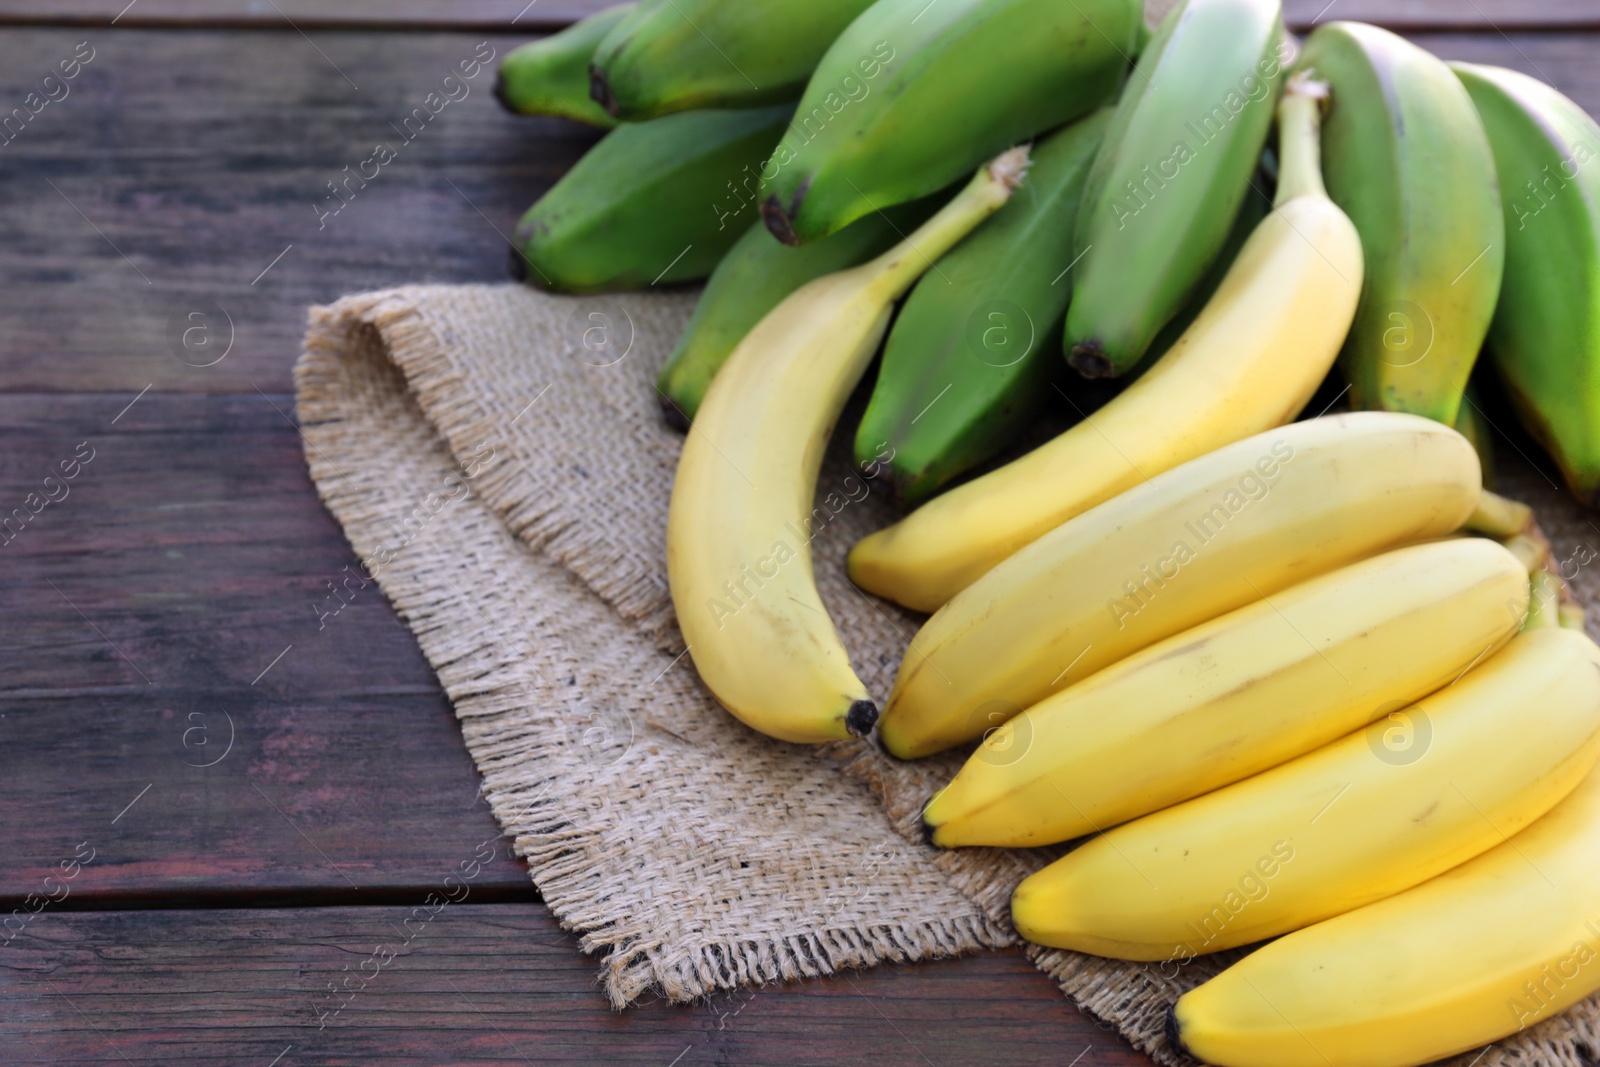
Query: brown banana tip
[
  {"x": 777, "y": 221},
  {"x": 861, "y": 718},
  {"x": 518, "y": 264},
  {"x": 1089, "y": 360},
  {"x": 1174, "y": 1036},
  {"x": 501, "y": 93},
  {"x": 928, "y": 829},
  {"x": 673, "y": 415},
  {"x": 600, "y": 91}
]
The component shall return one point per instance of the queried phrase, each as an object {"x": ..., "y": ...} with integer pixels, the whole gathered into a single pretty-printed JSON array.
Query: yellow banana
[
  {"x": 738, "y": 533},
  {"x": 1478, "y": 953},
  {"x": 1368, "y": 816},
  {"x": 1214, "y": 534},
  {"x": 1255, "y": 354},
  {"x": 1236, "y": 696}
]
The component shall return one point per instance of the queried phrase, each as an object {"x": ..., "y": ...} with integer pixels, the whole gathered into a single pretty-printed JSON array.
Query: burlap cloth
[{"x": 497, "y": 459}]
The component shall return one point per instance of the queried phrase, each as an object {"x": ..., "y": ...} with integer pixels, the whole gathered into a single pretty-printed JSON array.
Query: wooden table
[{"x": 248, "y": 801}]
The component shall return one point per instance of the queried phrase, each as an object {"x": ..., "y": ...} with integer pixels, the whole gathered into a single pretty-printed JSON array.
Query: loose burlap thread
[{"x": 497, "y": 459}]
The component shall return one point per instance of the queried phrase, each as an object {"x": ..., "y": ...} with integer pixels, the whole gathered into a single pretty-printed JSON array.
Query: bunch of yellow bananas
[{"x": 1259, "y": 666}]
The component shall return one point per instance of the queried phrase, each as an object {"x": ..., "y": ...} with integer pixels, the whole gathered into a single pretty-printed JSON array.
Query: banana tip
[
  {"x": 1089, "y": 360},
  {"x": 673, "y": 415},
  {"x": 518, "y": 264},
  {"x": 861, "y": 718},
  {"x": 1175, "y": 1034},
  {"x": 777, "y": 219},
  {"x": 600, "y": 91},
  {"x": 928, "y": 829},
  {"x": 500, "y": 91}
]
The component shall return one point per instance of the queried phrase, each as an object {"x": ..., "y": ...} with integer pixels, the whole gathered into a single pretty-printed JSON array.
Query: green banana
[
  {"x": 966, "y": 364},
  {"x": 1545, "y": 337},
  {"x": 1170, "y": 176},
  {"x": 1408, "y": 161},
  {"x": 676, "y": 55},
  {"x": 1257, "y": 203},
  {"x": 915, "y": 94},
  {"x": 646, "y": 204},
  {"x": 752, "y": 279},
  {"x": 550, "y": 76}
]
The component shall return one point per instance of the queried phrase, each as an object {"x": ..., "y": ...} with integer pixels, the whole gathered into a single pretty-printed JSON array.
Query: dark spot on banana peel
[
  {"x": 1088, "y": 360},
  {"x": 777, "y": 222},
  {"x": 1174, "y": 1038},
  {"x": 861, "y": 718},
  {"x": 673, "y": 415},
  {"x": 600, "y": 90}
]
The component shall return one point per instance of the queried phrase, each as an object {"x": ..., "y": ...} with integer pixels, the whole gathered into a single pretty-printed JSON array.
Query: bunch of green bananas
[{"x": 1270, "y": 667}]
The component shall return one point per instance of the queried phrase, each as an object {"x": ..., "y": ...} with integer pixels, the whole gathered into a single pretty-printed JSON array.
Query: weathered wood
[
  {"x": 492, "y": 983},
  {"x": 182, "y": 167},
  {"x": 307, "y": 14},
  {"x": 543, "y": 14},
  {"x": 147, "y": 608}
]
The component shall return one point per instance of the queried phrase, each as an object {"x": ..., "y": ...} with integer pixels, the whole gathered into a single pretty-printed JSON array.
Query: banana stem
[
  {"x": 1499, "y": 516},
  {"x": 1573, "y": 617},
  {"x": 1300, "y": 139},
  {"x": 1544, "y": 602},
  {"x": 1530, "y": 552},
  {"x": 990, "y": 188}
]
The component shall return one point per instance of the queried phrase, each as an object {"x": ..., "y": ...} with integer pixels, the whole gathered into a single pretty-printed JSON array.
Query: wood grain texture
[
  {"x": 545, "y": 14},
  {"x": 482, "y": 984},
  {"x": 142, "y": 611},
  {"x": 183, "y": 165}
]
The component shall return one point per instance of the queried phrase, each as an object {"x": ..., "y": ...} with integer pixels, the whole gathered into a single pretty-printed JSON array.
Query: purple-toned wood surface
[
  {"x": 543, "y": 14},
  {"x": 482, "y": 984}
]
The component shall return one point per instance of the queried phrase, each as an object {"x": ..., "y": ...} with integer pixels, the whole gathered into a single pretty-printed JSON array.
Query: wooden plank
[
  {"x": 190, "y": 172},
  {"x": 168, "y": 601},
  {"x": 500, "y": 15},
  {"x": 482, "y": 984},
  {"x": 1491, "y": 16},
  {"x": 495, "y": 15}
]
